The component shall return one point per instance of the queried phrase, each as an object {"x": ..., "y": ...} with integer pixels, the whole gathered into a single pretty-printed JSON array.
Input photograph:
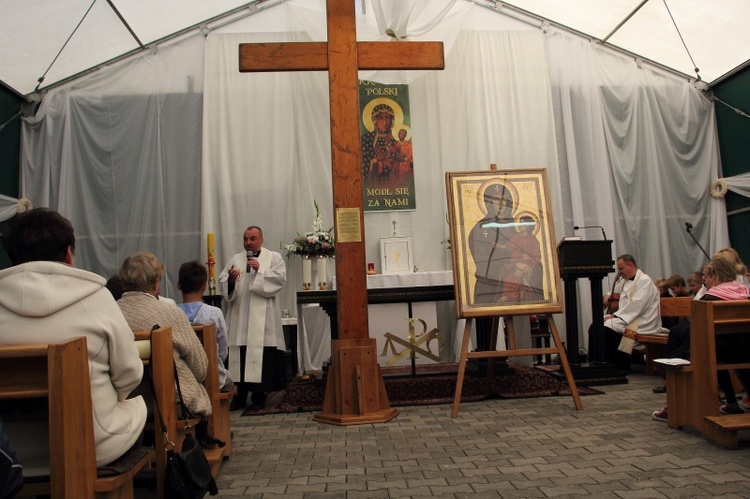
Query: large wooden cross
[{"x": 343, "y": 56}]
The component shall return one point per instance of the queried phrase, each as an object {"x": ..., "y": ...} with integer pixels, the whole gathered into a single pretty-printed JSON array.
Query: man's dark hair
[
  {"x": 192, "y": 276},
  {"x": 676, "y": 280},
  {"x": 114, "y": 285},
  {"x": 39, "y": 234}
]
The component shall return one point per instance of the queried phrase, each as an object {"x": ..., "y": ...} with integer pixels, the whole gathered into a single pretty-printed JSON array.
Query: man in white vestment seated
[
  {"x": 637, "y": 312},
  {"x": 251, "y": 283}
]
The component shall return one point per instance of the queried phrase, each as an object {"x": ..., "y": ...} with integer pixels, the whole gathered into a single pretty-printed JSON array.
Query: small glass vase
[{"x": 306, "y": 273}]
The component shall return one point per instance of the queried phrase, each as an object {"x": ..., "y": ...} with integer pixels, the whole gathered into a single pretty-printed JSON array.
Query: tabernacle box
[{"x": 396, "y": 255}]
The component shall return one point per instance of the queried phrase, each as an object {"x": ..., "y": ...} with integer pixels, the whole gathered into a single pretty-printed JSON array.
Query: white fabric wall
[{"x": 138, "y": 157}]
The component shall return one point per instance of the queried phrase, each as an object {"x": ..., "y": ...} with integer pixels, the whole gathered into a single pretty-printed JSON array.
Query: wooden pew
[
  {"x": 669, "y": 307},
  {"x": 693, "y": 391},
  {"x": 60, "y": 373},
  {"x": 162, "y": 364},
  {"x": 159, "y": 357},
  {"x": 219, "y": 425}
]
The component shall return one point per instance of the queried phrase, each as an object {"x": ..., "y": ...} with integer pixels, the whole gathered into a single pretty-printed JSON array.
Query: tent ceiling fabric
[
  {"x": 32, "y": 32},
  {"x": 715, "y": 32}
]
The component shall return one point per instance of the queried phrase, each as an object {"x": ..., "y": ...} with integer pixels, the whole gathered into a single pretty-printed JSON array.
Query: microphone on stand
[
  {"x": 688, "y": 228},
  {"x": 576, "y": 227}
]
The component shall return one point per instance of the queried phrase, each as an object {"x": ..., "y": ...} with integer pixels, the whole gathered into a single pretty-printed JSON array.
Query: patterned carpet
[{"x": 433, "y": 384}]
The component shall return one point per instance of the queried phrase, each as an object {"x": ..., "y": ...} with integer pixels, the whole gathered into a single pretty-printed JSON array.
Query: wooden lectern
[{"x": 577, "y": 259}]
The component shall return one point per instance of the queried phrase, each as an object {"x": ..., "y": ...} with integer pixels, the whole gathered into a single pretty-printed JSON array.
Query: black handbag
[{"x": 188, "y": 474}]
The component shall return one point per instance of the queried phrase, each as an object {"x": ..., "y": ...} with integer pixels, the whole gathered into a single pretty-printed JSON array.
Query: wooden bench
[
  {"x": 669, "y": 307},
  {"x": 159, "y": 357},
  {"x": 219, "y": 425},
  {"x": 693, "y": 391},
  {"x": 162, "y": 366},
  {"x": 59, "y": 372}
]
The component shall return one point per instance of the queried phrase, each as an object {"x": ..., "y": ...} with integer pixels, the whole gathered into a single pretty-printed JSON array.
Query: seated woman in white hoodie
[{"x": 44, "y": 299}]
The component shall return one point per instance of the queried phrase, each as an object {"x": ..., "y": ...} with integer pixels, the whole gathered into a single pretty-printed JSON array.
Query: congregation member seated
[
  {"x": 719, "y": 277},
  {"x": 677, "y": 289},
  {"x": 695, "y": 283},
  {"x": 677, "y": 286},
  {"x": 638, "y": 311},
  {"x": 663, "y": 285},
  {"x": 140, "y": 275},
  {"x": 732, "y": 256},
  {"x": 191, "y": 281},
  {"x": 45, "y": 299},
  {"x": 743, "y": 277}
]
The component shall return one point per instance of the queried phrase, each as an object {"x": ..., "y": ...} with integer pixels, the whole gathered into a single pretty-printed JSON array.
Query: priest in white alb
[
  {"x": 638, "y": 312},
  {"x": 251, "y": 283}
]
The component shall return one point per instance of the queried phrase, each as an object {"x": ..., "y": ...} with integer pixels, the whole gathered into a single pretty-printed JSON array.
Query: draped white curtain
[
  {"x": 118, "y": 153},
  {"x": 638, "y": 151},
  {"x": 402, "y": 18},
  {"x": 8, "y": 207},
  {"x": 139, "y": 156},
  {"x": 739, "y": 184}
]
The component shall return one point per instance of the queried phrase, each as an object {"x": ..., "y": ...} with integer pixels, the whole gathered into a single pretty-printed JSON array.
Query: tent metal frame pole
[{"x": 246, "y": 10}]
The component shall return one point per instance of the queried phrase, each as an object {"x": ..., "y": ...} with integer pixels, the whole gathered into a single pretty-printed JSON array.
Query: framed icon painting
[{"x": 503, "y": 243}]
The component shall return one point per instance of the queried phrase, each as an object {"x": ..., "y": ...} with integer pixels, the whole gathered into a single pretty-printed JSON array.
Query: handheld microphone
[
  {"x": 576, "y": 227},
  {"x": 250, "y": 255}
]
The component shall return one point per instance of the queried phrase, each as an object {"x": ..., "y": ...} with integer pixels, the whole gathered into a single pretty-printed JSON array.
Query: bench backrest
[
  {"x": 60, "y": 373},
  {"x": 219, "y": 422},
  {"x": 708, "y": 319},
  {"x": 207, "y": 335},
  {"x": 162, "y": 370},
  {"x": 675, "y": 307}
]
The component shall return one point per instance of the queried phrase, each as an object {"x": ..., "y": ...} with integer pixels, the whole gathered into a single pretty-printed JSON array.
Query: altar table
[{"x": 391, "y": 299}]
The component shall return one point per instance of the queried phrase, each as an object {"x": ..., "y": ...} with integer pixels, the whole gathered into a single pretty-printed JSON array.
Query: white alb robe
[
  {"x": 639, "y": 299},
  {"x": 254, "y": 314}
]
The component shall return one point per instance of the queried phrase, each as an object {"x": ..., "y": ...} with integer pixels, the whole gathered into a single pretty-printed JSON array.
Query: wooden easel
[
  {"x": 512, "y": 351},
  {"x": 538, "y": 177}
]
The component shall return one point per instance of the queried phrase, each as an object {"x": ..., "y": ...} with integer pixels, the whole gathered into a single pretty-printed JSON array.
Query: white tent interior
[{"x": 156, "y": 149}]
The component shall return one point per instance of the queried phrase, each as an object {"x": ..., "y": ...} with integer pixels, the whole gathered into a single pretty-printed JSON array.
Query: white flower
[{"x": 318, "y": 242}]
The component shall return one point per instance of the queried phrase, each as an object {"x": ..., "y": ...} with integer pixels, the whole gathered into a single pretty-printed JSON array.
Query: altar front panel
[{"x": 390, "y": 326}]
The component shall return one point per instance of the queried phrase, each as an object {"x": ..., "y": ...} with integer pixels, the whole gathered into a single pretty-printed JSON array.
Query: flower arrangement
[{"x": 317, "y": 242}]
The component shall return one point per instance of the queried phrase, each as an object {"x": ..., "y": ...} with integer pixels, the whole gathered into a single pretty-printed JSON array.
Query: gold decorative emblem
[{"x": 413, "y": 344}]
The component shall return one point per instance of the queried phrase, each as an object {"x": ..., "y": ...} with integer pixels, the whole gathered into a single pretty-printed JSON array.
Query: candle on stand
[
  {"x": 322, "y": 277},
  {"x": 306, "y": 273},
  {"x": 210, "y": 263}
]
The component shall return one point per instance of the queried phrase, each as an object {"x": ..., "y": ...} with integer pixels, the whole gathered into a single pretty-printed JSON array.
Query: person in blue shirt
[{"x": 191, "y": 281}]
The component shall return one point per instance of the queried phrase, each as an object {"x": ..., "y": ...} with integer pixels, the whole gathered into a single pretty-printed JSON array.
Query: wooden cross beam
[{"x": 343, "y": 56}]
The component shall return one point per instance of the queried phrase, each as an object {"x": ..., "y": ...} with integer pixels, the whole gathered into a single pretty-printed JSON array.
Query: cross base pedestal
[{"x": 355, "y": 391}]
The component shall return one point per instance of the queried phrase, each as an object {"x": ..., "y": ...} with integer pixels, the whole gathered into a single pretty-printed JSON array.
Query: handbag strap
[
  {"x": 185, "y": 412},
  {"x": 168, "y": 444}
]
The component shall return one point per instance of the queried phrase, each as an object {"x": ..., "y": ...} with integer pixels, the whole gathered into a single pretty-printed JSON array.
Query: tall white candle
[
  {"x": 322, "y": 278},
  {"x": 306, "y": 271}
]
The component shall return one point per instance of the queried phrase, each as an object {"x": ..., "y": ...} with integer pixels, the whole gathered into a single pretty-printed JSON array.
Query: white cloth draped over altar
[{"x": 154, "y": 151}]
